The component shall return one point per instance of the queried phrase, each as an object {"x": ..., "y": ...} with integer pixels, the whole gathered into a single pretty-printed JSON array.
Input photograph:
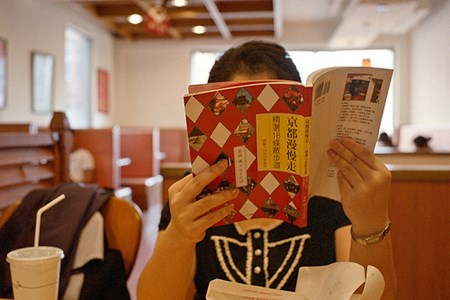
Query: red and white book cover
[{"x": 263, "y": 129}]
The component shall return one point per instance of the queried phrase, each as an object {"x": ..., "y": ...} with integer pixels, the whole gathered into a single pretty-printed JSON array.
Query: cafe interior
[{"x": 109, "y": 76}]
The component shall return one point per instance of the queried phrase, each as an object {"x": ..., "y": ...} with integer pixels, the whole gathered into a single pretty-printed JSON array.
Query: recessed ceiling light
[
  {"x": 135, "y": 19},
  {"x": 199, "y": 29},
  {"x": 382, "y": 7},
  {"x": 179, "y": 3}
]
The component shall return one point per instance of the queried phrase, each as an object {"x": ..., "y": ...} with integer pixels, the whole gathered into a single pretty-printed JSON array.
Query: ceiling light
[
  {"x": 382, "y": 7},
  {"x": 199, "y": 29},
  {"x": 135, "y": 19},
  {"x": 179, "y": 3}
]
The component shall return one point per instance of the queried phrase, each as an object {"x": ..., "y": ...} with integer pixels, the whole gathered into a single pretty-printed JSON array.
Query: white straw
[{"x": 38, "y": 217}]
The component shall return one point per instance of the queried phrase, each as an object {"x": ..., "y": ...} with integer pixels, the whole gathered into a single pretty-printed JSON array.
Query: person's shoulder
[
  {"x": 323, "y": 211},
  {"x": 324, "y": 202}
]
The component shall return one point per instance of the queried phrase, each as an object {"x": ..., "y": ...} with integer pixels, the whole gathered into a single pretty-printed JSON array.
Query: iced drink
[{"x": 35, "y": 272}]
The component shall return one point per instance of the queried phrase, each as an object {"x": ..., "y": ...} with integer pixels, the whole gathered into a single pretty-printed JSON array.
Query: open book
[
  {"x": 336, "y": 281},
  {"x": 275, "y": 135}
]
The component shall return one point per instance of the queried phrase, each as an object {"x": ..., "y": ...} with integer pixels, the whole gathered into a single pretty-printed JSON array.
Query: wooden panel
[
  {"x": 14, "y": 193},
  {"x": 420, "y": 213},
  {"x": 18, "y": 140},
  {"x": 174, "y": 144},
  {"x": 21, "y": 156},
  {"x": 104, "y": 146},
  {"x": 27, "y": 161},
  {"x": 19, "y": 127},
  {"x": 31, "y": 159},
  {"x": 16, "y": 175},
  {"x": 141, "y": 145}
]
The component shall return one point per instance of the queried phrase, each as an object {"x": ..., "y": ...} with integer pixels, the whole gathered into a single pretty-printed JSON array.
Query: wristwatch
[{"x": 373, "y": 238}]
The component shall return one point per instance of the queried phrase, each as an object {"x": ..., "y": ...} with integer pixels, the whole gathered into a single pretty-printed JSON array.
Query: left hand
[{"x": 364, "y": 183}]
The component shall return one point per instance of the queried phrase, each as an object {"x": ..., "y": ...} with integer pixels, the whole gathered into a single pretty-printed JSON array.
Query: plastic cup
[{"x": 35, "y": 272}]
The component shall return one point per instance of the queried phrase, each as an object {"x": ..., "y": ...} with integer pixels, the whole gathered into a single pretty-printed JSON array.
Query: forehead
[{"x": 253, "y": 76}]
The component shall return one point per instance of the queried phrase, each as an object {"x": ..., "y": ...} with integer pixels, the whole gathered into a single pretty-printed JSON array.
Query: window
[
  {"x": 77, "y": 60},
  {"x": 309, "y": 61}
]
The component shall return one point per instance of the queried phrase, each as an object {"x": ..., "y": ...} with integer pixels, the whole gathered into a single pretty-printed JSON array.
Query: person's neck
[{"x": 260, "y": 223}]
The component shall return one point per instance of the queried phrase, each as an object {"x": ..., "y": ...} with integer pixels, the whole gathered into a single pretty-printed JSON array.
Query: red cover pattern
[{"x": 220, "y": 120}]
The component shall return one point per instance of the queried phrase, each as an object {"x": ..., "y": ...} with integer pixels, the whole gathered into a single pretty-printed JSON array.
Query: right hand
[{"x": 191, "y": 217}]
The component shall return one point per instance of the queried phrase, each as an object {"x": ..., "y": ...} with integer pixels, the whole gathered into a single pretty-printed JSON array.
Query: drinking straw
[{"x": 38, "y": 217}]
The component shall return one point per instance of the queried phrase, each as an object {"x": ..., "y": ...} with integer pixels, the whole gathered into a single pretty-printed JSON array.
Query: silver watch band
[{"x": 373, "y": 238}]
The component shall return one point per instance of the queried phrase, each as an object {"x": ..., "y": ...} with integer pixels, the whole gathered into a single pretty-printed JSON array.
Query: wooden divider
[
  {"x": 176, "y": 161},
  {"x": 142, "y": 147},
  {"x": 30, "y": 159},
  {"x": 420, "y": 216},
  {"x": 104, "y": 144}
]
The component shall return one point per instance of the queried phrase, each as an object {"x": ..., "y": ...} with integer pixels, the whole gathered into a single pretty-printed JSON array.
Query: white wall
[
  {"x": 430, "y": 68},
  {"x": 148, "y": 79},
  {"x": 152, "y": 77},
  {"x": 39, "y": 25}
]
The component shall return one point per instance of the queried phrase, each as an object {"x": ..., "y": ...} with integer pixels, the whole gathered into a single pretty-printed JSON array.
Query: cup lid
[{"x": 33, "y": 253}]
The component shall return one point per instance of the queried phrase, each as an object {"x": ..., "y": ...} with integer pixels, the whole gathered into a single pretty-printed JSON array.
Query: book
[
  {"x": 275, "y": 135},
  {"x": 335, "y": 281}
]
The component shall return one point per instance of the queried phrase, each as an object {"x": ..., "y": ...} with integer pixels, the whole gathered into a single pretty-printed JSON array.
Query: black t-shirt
[{"x": 269, "y": 258}]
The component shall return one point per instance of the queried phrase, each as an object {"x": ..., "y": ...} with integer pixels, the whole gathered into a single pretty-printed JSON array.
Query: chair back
[
  {"x": 7, "y": 212},
  {"x": 123, "y": 228}
]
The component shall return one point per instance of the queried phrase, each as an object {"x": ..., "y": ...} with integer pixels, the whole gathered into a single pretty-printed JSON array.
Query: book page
[
  {"x": 346, "y": 102},
  {"x": 336, "y": 281}
]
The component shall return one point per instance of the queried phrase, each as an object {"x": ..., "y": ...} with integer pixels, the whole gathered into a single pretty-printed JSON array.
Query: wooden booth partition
[
  {"x": 176, "y": 161},
  {"x": 27, "y": 162},
  {"x": 174, "y": 145},
  {"x": 141, "y": 147},
  {"x": 104, "y": 144},
  {"x": 420, "y": 215},
  {"x": 31, "y": 159}
]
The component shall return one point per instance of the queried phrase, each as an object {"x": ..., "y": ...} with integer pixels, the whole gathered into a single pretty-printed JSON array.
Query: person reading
[{"x": 269, "y": 252}]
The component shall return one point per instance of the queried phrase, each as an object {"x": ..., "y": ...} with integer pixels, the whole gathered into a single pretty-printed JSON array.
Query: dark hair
[{"x": 254, "y": 57}]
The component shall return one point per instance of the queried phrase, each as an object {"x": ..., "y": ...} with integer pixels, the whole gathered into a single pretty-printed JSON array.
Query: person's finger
[
  {"x": 359, "y": 158},
  {"x": 212, "y": 217},
  {"x": 178, "y": 186},
  {"x": 193, "y": 187},
  {"x": 346, "y": 153},
  {"x": 207, "y": 204},
  {"x": 360, "y": 152},
  {"x": 346, "y": 168},
  {"x": 345, "y": 186}
]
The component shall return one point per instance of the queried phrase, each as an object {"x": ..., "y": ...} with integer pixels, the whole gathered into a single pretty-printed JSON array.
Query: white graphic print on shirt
[{"x": 222, "y": 245}]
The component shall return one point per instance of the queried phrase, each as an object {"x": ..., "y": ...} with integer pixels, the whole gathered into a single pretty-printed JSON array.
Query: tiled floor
[{"x": 149, "y": 233}]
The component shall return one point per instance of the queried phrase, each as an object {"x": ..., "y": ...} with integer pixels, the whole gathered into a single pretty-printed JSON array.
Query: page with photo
[{"x": 346, "y": 102}]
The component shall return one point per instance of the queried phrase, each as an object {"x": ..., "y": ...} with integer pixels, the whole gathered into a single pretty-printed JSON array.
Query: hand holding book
[{"x": 276, "y": 135}]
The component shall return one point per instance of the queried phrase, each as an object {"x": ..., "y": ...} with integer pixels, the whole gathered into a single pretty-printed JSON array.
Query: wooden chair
[
  {"x": 123, "y": 227},
  {"x": 7, "y": 212}
]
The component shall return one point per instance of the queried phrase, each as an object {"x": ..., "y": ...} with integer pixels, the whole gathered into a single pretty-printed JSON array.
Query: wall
[
  {"x": 152, "y": 77},
  {"x": 149, "y": 79},
  {"x": 430, "y": 68},
  {"x": 38, "y": 25}
]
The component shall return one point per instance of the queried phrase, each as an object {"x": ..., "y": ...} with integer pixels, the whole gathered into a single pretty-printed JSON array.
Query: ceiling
[{"x": 359, "y": 21}]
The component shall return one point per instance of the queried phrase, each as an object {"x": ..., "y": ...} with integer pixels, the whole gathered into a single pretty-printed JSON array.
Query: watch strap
[{"x": 373, "y": 238}]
